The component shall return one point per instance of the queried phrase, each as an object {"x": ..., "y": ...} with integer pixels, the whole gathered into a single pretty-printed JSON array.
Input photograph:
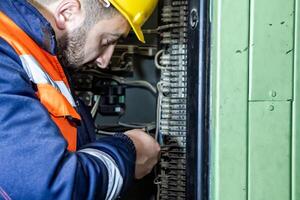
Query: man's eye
[
  {"x": 109, "y": 42},
  {"x": 105, "y": 42}
]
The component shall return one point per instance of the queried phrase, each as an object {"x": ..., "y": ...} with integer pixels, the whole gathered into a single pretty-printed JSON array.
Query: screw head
[
  {"x": 271, "y": 108},
  {"x": 273, "y": 93},
  {"x": 194, "y": 18}
]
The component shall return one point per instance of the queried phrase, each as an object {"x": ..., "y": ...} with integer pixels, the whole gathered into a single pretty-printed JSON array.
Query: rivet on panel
[
  {"x": 273, "y": 93},
  {"x": 271, "y": 108}
]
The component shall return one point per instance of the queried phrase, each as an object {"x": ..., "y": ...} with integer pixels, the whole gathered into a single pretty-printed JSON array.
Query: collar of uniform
[{"x": 32, "y": 22}]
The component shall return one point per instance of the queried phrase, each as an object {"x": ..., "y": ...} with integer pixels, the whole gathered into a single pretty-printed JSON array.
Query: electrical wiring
[
  {"x": 157, "y": 183},
  {"x": 158, "y": 109},
  {"x": 96, "y": 105},
  {"x": 172, "y": 100},
  {"x": 168, "y": 26},
  {"x": 139, "y": 83},
  {"x": 121, "y": 80},
  {"x": 106, "y": 132},
  {"x": 147, "y": 127},
  {"x": 157, "y": 56}
]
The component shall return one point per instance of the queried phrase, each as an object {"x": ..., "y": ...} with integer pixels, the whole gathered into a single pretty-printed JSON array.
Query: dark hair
[{"x": 95, "y": 11}]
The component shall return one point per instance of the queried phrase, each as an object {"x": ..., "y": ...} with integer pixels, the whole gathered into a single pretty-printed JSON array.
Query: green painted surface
[
  {"x": 269, "y": 150},
  {"x": 296, "y": 111},
  {"x": 271, "y": 49},
  {"x": 229, "y": 99},
  {"x": 255, "y": 63}
]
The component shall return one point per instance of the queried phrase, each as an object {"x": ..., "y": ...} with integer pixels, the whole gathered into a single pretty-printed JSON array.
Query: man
[{"x": 47, "y": 141}]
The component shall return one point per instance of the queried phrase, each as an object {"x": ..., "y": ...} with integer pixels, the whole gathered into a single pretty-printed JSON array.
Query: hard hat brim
[
  {"x": 137, "y": 29},
  {"x": 138, "y": 32}
]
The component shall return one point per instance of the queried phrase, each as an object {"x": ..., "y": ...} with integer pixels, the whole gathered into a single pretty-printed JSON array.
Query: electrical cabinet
[
  {"x": 217, "y": 85},
  {"x": 156, "y": 86}
]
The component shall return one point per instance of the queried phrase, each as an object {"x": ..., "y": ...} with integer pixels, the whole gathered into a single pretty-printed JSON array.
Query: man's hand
[{"x": 147, "y": 152}]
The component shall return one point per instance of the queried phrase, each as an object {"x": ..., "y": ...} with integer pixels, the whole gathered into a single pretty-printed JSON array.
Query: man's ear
[{"x": 67, "y": 11}]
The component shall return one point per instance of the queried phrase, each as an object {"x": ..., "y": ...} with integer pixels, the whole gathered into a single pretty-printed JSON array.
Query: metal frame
[{"x": 198, "y": 101}]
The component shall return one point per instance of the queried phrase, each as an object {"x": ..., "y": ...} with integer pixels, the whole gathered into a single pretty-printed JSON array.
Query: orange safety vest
[{"x": 46, "y": 72}]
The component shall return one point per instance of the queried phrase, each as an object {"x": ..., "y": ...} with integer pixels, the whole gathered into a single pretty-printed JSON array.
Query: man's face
[{"x": 95, "y": 44}]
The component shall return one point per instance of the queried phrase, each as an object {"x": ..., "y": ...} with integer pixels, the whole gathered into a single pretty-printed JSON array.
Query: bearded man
[{"x": 47, "y": 140}]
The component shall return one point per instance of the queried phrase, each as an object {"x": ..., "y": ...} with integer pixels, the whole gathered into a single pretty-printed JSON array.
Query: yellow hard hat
[{"x": 136, "y": 12}]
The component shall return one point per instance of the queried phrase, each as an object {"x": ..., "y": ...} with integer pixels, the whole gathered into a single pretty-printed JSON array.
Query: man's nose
[{"x": 103, "y": 60}]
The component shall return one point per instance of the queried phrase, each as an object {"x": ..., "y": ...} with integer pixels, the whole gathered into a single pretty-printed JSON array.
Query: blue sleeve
[{"x": 35, "y": 163}]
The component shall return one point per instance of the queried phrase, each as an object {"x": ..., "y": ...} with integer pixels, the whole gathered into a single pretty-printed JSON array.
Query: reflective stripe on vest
[{"x": 45, "y": 71}]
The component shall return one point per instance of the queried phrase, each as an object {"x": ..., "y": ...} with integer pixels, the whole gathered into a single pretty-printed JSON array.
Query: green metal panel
[
  {"x": 229, "y": 99},
  {"x": 269, "y": 150},
  {"x": 296, "y": 110},
  {"x": 255, "y": 64},
  {"x": 271, "y": 49}
]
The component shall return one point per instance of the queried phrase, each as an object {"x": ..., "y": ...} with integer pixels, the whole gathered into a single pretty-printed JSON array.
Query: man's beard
[{"x": 70, "y": 50}]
